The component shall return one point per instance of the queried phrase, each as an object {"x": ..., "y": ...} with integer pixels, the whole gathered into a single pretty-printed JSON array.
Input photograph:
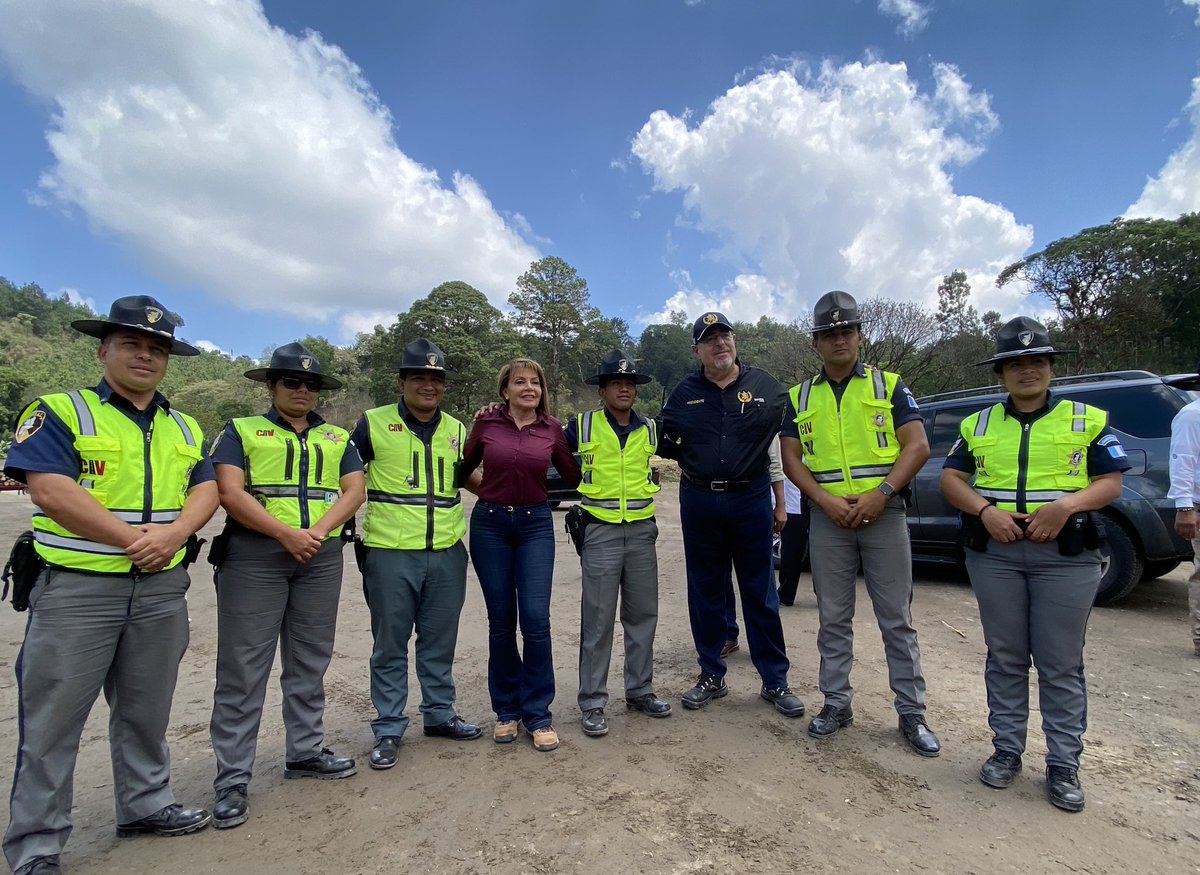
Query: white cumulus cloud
[
  {"x": 743, "y": 299},
  {"x": 245, "y": 160},
  {"x": 839, "y": 178},
  {"x": 1176, "y": 188},
  {"x": 913, "y": 14}
]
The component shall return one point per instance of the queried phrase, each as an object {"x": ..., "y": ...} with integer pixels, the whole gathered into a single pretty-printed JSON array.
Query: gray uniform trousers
[
  {"x": 266, "y": 598},
  {"x": 1034, "y": 603},
  {"x": 88, "y": 632},
  {"x": 886, "y": 555},
  {"x": 406, "y": 590},
  {"x": 618, "y": 560}
]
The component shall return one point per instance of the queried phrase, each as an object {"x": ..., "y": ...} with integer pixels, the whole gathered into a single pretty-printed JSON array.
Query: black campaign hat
[
  {"x": 423, "y": 355},
  {"x": 617, "y": 363},
  {"x": 707, "y": 321},
  {"x": 290, "y": 360},
  {"x": 1022, "y": 336},
  {"x": 137, "y": 313},
  {"x": 834, "y": 310}
]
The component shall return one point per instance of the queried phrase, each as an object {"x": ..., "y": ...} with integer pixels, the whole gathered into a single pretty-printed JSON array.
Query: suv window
[
  {"x": 1142, "y": 411},
  {"x": 946, "y": 428}
]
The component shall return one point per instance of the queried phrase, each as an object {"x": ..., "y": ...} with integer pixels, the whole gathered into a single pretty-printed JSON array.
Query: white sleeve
[
  {"x": 776, "y": 460},
  {"x": 1185, "y": 451}
]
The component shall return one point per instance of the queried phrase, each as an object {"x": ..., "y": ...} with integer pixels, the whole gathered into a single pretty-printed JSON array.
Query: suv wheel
[
  {"x": 1159, "y": 568},
  {"x": 1123, "y": 563}
]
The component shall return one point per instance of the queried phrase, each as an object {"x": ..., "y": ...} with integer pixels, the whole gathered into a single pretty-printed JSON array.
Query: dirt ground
[{"x": 733, "y": 787}]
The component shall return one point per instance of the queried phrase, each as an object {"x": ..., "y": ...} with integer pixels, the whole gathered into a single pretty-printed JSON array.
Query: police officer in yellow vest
[
  {"x": 1026, "y": 473},
  {"x": 121, "y": 482},
  {"x": 618, "y": 486},
  {"x": 415, "y": 568},
  {"x": 852, "y": 440},
  {"x": 289, "y": 482}
]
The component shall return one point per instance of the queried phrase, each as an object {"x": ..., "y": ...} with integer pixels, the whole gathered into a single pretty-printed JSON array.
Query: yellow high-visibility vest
[
  {"x": 850, "y": 449},
  {"x": 412, "y": 490},
  {"x": 141, "y": 477},
  {"x": 1020, "y": 467},
  {"x": 617, "y": 484}
]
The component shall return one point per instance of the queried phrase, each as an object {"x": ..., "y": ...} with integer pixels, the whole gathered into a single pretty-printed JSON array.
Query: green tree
[
  {"x": 552, "y": 307},
  {"x": 665, "y": 352},
  {"x": 1126, "y": 292}
]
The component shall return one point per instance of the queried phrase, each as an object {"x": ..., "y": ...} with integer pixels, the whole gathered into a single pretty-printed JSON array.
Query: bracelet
[
  {"x": 983, "y": 509},
  {"x": 1185, "y": 510}
]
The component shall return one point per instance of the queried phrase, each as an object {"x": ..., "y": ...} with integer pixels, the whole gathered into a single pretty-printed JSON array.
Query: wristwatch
[{"x": 887, "y": 489}]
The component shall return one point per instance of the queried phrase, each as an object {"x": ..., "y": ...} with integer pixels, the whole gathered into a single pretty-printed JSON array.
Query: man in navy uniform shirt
[{"x": 718, "y": 424}]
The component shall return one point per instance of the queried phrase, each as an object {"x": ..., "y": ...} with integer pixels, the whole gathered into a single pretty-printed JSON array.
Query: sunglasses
[{"x": 294, "y": 383}]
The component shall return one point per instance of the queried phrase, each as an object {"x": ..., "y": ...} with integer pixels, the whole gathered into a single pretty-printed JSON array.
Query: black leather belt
[{"x": 721, "y": 485}]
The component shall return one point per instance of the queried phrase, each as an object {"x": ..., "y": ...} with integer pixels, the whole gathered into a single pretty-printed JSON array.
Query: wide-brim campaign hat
[
  {"x": 137, "y": 313},
  {"x": 836, "y": 309},
  {"x": 1022, "y": 336},
  {"x": 293, "y": 359},
  {"x": 707, "y": 321},
  {"x": 423, "y": 355},
  {"x": 617, "y": 363}
]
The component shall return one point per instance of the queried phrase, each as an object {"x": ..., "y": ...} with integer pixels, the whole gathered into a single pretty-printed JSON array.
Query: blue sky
[{"x": 279, "y": 168}]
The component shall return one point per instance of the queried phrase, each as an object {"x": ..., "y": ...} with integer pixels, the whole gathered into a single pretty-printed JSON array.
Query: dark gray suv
[{"x": 1141, "y": 540}]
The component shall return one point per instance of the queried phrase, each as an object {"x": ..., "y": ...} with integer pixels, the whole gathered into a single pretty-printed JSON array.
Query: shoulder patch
[
  {"x": 957, "y": 445},
  {"x": 1113, "y": 444},
  {"x": 30, "y": 426}
]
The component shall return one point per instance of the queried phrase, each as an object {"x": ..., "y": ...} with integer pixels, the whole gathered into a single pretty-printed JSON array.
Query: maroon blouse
[{"x": 515, "y": 459}]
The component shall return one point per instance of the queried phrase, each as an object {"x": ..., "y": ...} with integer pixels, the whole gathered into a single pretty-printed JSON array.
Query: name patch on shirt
[{"x": 695, "y": 401}]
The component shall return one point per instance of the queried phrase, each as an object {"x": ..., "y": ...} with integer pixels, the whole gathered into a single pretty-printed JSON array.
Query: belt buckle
[{"x": 719, "y": 485}]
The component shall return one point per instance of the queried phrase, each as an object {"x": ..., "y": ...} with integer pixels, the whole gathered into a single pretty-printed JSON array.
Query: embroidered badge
[
  {"x": 879, "y": 420},
  {"x": 30, "y": 426},
  {"x": 454, "y": 442},
  {"x": 432, "y": 359},
  {"x": 332, "y": 436},
  {"x": 710, "y": 318},
  {"x": 835, "y": 315},
  {"x": 153, "y": 314},
  {"x": 622, "y": 366},
  {"x": 306, "y": 362},
  {"x": 1025, "y": 337}
]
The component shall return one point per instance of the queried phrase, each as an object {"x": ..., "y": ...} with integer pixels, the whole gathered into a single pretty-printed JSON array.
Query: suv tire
[{"x": 1124, "y": 563}]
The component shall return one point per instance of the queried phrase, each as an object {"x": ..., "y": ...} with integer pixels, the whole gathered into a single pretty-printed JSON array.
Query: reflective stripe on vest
[
  {"x": 1054, "y": 448},
  {"x": 412, "y": 494},
  {"x": 295, "y": 477},
  {"x": 849, "y": 445},
  {"x": 114, "y": 452},
  {"x": 617, "y": 484}
]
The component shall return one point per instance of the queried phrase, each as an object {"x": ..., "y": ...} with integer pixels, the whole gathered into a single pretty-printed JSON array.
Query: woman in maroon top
[{"x": 512, "y": 547}]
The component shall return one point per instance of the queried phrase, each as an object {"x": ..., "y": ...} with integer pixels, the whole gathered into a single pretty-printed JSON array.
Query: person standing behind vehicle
[
  {"x": 1185, "y": 492},
  {"x": 718, "y": 424},
  {"x": 289, "y": 482},
  {"x": 122, "y": 484},
  {"x": 793, "y": 544},
  {"x": 618, "y": 556},
  {"x": 852, "y": 440},
  {"x": 1038, "y": 465},
  {"x": 512, "y": 547},
  {"x": 415, "y": 567}
]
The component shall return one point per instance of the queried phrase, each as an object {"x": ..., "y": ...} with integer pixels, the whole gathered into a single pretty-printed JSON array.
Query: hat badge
[
  {"x": 1025, "y": 337},
  {"x": 710, "y": 318},
  {"x": 306, "y": 362},
  {"x": 153, "y": 314},
  {"x": 432, "y": 359},
  {"x": 623, "y": 366},
  {"x": 835, "y": 315}
]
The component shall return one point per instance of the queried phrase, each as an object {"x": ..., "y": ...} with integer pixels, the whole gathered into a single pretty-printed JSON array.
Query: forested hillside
[{"x": 1126, "y": 294}]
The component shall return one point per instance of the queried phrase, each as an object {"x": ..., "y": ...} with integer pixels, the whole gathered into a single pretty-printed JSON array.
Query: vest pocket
[
  {"x": 186, "y": 458},
  {"x": 100, "y": 460},
  {"x": 877, "y": 414}
]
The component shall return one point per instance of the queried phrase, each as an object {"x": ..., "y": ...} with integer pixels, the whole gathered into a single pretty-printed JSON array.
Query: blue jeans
[
  {"x": 724, "y": 531},
  {"x": 512, "y": 549}
]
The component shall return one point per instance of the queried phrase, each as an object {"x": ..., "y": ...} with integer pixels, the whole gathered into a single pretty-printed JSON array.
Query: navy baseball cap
[{"x": 707, "y": 321}]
